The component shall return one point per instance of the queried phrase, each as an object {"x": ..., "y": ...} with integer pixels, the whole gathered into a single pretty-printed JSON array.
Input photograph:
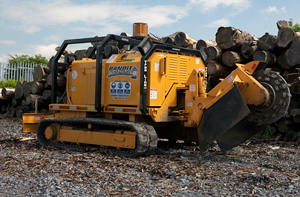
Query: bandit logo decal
[{"x": 131, "y": 71}]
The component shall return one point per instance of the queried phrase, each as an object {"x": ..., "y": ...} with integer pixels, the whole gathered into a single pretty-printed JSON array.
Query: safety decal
[
  {"x": 197, "y": 60},
  {"x": 74, "y": 74},
  {"x": 112, "y": 59},
  {"x": 189, "y": 103},
  {"x": 193, "y": 88},
  {"x": 156, "y": 66},
  {"x": 120, "y": 90},
  {"x": 73, "y": 88},
  {"x": 153, "y": 93},
  {"x": 230, "y": 78},
  {"x": 114, "y": 71}
]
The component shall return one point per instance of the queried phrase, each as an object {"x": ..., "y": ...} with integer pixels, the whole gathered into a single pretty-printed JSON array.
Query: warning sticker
[
  {"x": 73, "y": 88},
  {"x": 156, "y": 66},
  {"x": 197, "y": 60},
  {"x": 189, "y": 103},
  {"x": 230, "y": 78},
  {"x": 112, "y": 59},
  {"x": 153, "y": 93},
  {"x": 193, "y": 88},
  {"x": 120, "y": 90}
]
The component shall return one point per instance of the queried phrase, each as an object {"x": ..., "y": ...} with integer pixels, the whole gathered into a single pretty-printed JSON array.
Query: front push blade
[
  {"x": 221, "y": 116},
  {"x": 238, "y": 134}
]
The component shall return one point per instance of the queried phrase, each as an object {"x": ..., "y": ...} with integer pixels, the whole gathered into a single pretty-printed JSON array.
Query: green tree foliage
[
  {"x": 295, "y": 27},
  {"x": 37, "y": 59}
]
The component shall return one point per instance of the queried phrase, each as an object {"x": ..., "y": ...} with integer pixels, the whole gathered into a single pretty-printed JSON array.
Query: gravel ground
[{"x": 255, "y": 168}]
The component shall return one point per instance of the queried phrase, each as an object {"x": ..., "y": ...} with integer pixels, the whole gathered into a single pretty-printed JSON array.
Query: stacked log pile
[
  {"x": 34, "y": 96},
  {"x": 280, "y": 52}
]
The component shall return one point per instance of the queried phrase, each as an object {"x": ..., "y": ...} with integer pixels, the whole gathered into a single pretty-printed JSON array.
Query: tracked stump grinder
[{"x": 128, "y": 92}]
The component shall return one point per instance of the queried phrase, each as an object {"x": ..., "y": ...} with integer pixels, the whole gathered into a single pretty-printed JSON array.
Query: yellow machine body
[{"x": 174, "y": 90}]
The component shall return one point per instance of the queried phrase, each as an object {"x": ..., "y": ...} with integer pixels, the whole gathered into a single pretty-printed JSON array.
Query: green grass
[{"x": 10, "y": 83}]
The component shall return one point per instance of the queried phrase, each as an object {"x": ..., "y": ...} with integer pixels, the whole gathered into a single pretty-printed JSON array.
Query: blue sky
[{"x": 37, "y": 26}]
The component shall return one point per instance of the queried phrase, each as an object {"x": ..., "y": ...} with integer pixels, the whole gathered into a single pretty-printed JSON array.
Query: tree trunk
[
  {"x": 292, "y": 77},
  {"x": 282, "y": 24},
  {"x": 205, "y": 44},
  {"x": 231, "y": 38},
  {"x": 40, "y": 73},
  {"x": 169, "y": 39},
  {"x": 265, "y": 56},
  {"x": 248, "y": 49},
  {"x": 19, "y": 90},
  {"x": 230, "y": 58},
  {"x": 8, "y": 92},
  {"x": 285, "y": 37},
  {"x": 284, "y": 125},
  {"x": 15, "y": 102},
  {"x": 218, "y": 70},
  {"x": 26, "y": 88},
  {"x": 182, "y": 39},
  {"x": 46, "y": 95},
  {"x": 214, "y": 53},
  {"x": 267, "y": 42},
  {"x": 37, "y": 87},
  {"x": 293, "y": 53},
  {"x": 61, "y": 80},
  {"x": 32, "y": 98}
]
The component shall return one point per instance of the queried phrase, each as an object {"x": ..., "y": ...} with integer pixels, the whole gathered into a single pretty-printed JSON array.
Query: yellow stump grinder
[{"x": 129, "y": 91}]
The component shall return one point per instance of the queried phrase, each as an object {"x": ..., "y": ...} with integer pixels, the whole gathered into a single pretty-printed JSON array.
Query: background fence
[{"x": 16, "y": 71}]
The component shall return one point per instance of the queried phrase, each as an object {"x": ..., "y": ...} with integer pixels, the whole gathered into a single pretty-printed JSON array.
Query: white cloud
[
  {"x": 273, "y": 9},
  {"x": 7, "y": 42},
  {"x": 218, "y": 23},
  {"x": 45, "y": 50},
  {"x": 210, "y": 5},
  {"x": 31, "y": 16}
]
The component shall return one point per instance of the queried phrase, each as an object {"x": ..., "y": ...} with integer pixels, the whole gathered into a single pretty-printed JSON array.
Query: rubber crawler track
[{"x": 146, "y": 138}]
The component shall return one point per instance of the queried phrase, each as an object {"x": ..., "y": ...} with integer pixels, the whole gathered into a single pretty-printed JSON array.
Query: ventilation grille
[{"x": 178, "y": 68}]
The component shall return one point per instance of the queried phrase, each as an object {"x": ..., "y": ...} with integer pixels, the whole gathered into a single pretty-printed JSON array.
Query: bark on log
[
  {"x": 79, "y": 55},
  {"x": 15, "y": 102},
  {"x": 267, "y": 42},
  {"x": 32, "y": 98},
  {"x": 60, "y": 69},
  {"x": 292, "y": 77},
  {"x": 218, "y": 70},
  {"x": 46, "y": 95},
  {"x": 125, "y": 34},
  {"x": 295, "y": 112},
  {"x": 231, "y": 38},
  {"x": 182, "y": 39},
  {"x": 282, "y": 24},
  {"x": 37, "y": 87},
  {"x": 265, "y": 56},
  {"x": 61, "y": 80},
  {"x": 285, "y": 37},
  {"x": 40, "y": 73},
  {"x": 293, "y": 53},
  {"x": 230, "y": 58},
  {"x": 169, "y": 39},
  {"x": 205, "y": 44},
  {"x": 284, "y": 125},
  {"x": 8, "y": 93},
  {"x": 26, "y": 88},
  {"x": 248, "y": 49},
  {"x": 214, "y": 53},
  {"x": 19, "y": 90}
]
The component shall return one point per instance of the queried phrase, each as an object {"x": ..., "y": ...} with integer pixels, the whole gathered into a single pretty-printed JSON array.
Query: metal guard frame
[{"x": 99, "y": 56}]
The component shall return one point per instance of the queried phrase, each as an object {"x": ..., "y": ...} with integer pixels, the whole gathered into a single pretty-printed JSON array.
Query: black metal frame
[{"x": 100, "y": 48}]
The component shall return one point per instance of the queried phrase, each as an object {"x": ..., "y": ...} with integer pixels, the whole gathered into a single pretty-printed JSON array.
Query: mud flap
[
  {"x": 238, "y": 134},
  {"x": 221, "y": 116}
]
